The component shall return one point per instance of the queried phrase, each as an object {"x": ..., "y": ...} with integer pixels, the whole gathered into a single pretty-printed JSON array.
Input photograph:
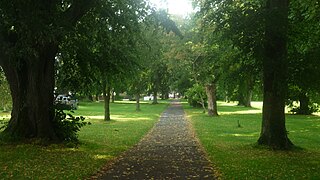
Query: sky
[{"x": 177, "y": 7}]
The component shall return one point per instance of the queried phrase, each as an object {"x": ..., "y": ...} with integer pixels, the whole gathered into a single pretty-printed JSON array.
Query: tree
[
  {"x": 303, "y": 52},
  {"x": 261, "y": 34},
  {"x": 139, "y": 85},
  {"x": 273, "y": 131},
  {"x": 105, "y": 44},
  {"x": 5, "y": 102},
  {"x": 241, "y": 23},
  {"x": 160, "y": 28},
  {"x": 30, "y": 36}
]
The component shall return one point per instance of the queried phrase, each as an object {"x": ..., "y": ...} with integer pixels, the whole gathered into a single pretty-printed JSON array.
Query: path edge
[
  {"x": 216, "y": 171},
  {"x": 100, "y": 173}
]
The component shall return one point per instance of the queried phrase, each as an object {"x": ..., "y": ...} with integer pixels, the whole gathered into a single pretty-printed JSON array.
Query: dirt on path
[{"x": 169, "y": 151}]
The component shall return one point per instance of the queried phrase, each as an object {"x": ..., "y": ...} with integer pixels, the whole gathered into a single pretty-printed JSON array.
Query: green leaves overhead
[
  {"x": 28, "y": 25},
  {"x": 104, "y": 43}
]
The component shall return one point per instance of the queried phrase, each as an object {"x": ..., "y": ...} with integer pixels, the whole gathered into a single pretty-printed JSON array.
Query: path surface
[{"x": 169, "y": 151}]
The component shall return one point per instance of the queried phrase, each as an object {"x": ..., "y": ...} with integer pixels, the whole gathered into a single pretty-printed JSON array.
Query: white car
[{"x": 66, "y": 100}]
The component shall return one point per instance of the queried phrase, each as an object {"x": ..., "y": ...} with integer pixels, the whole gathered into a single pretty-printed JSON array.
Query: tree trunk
[
  {"x": 245, "y": 91},
  {"x": 97, "y": 97},
  {"x": 166, "y": 96},
  {"x": 155, "y": 97},
  {"x": 31, "y": 85},
  {"x": 138, "y": 102},
  {"x": 29, "y": 68},
  {"x": 212, "y": 99},
  {"x": 273, "y": 131},
  {"x": 106, "y": 96},
  {"x": 304, "y": 104},
  {"x": 113, "y": 96},
  {"x": 90, "y": 97}
]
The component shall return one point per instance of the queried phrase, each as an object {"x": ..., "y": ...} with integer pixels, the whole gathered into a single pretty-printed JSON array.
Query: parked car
[{"x": 66, "y": 102}]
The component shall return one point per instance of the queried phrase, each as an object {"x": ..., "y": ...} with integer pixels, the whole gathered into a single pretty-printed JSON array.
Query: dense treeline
[{"x": 228, "y": 50}]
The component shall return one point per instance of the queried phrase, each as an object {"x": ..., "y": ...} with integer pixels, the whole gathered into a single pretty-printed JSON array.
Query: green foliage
[
  {"x": 196, "y": 96},
  {"x": 67, "y": 126},
  {"x": 5, "y": 101},
  {"x": 301, "y": 102},
  {"x": 101, "y": 48},
  {"x": 3, "y": 124},
  {"x": 236, "y": 30},
  {"x": 295, "y": 109}
]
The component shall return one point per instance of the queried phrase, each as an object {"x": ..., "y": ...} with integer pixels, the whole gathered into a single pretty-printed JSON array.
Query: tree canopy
[{"x": 225, "y": 50}]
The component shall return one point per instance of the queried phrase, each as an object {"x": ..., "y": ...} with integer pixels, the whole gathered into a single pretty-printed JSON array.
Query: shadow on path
[{"x": 168, "y": 151}]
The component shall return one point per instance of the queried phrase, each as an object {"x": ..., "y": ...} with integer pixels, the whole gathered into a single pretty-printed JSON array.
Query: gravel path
[{"x": 169, "y": 151}]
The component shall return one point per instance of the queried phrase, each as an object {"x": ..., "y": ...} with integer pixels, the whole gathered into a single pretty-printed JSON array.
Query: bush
[
  {"x": 3, "y": 124},
  {"x": 196, "y": 95},
  {"x": 66, "y": 126},
  {"x": 312, "y": 108}
]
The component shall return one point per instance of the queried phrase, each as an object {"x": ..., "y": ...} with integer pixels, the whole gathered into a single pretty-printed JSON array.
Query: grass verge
[
  {"x": 100, "y": 142},
  {"x": 233, "y": 150}
]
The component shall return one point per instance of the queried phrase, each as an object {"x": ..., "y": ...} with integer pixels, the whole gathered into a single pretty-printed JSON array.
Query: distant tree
[
  {"x": 160, "y": 28},
  {"x": 303, "y": 53},
  {"x": 6, "y": 100},
  {"x": 241, "y": 23}
]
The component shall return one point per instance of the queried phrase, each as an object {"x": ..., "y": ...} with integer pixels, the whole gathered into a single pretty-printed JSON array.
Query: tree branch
[{"x": 77, "y": 10}]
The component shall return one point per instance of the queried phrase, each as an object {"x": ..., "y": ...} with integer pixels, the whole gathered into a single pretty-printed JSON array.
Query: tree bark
[
  {"x": 106, "y": 96},
  {"x": 97, "y": 97},
  {"x": 30, "y": 74},
  {"x": 138, "y": 102},
  {"x": 304, "y": 104},
  {"x": 155, "y": 97},
  {"x": 90, "y": 97},
  {"x": 31, "y": 85},
  {"x": 212, "y": 99},
  {"x": 245, "y": 91},
  {"x": 273, "y": 131},
  {"x": 113, "y": 96}
]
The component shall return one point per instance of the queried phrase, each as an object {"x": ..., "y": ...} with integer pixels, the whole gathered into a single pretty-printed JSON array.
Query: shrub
[
  {"x": 196, "y": 96},
  {"x": 312, "y": 108},
  {"x": 66, "y": 126}
]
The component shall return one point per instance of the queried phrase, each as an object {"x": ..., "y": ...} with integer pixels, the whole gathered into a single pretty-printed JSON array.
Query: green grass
[
  {"x": 100, "y": 142},
  {"x": 234, "y": 152}
]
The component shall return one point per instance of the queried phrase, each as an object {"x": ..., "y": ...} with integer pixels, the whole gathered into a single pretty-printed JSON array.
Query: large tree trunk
[
  {"x": 212, "y": 99},
  {"x": 31, "y": 84},
  {"x": 106, "y": 97},
  {"x": 273, "y": 131},
  {"x": 29, "y": 68},
  {"x": 138, "y": 102}
]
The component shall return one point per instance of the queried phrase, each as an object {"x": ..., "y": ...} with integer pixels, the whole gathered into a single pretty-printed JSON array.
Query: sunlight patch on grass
[
  {"x": 241, "y": 135},
  {"x": 251, "y": 111},
  {"x": 130, "y": 119},
  {"x": 102, "y": 156},
  {"x": 134, "y": 102},
  {"x": 118, "y": 118},
  {"x": 94, "y": 117},
  {"x": 5, "y": 116}
]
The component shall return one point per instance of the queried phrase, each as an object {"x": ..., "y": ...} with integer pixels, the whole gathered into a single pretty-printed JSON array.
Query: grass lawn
[
  {"x": 100, "y": 142},
  {"x": 234, "y": 152}
]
